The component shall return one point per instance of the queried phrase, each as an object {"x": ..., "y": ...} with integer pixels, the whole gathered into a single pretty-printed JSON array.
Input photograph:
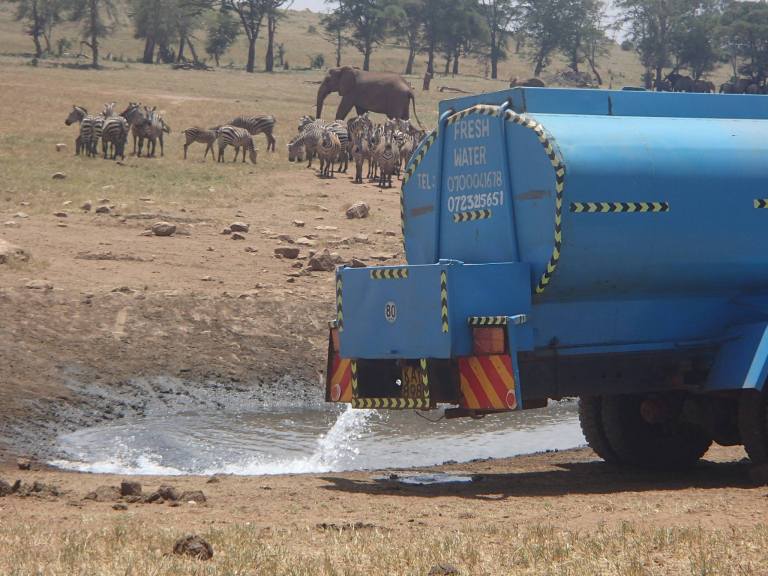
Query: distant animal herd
[
  {"x": 385, "y": 147},
  {"x": 676, "y": 82}
]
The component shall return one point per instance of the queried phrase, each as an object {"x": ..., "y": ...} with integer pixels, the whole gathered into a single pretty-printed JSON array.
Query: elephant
[
  {"x": 703, "y": 86},
  {"x": 531, "y": 83},
  {"x": 382, "y": 92},
  {"x": 681, "y": 83}
]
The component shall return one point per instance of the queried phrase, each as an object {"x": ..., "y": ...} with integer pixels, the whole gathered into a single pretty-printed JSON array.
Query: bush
[
  {"x": 627, "y": 46},
  {"x": 311, "y": 29},
  {"x": 317, "y": 61}
]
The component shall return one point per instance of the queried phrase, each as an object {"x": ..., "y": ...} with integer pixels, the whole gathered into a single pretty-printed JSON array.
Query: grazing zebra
[
  {"x": 257, "y": 125},
  {"x": 387, "y": 157},
  {"x": 237, "y": 137},
  {"x": 296, "y": 151},
  {"x": 115, "y": 132},
  {"x": 197, "y": 134},
  {"x": 308, "y": 139},
  {"x": 361, "y": 151},
  {"x": 328, "y": 150}
]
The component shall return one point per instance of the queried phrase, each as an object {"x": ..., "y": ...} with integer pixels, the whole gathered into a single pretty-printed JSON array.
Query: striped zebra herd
[
  {"x": 385, "y": 147},
  {"x": 238, "y": 134},
  {"x": 112, "y": 129}
]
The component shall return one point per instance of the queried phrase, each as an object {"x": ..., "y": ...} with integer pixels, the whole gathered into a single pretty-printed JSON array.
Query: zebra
[
  {"x": 361, "y": 151},
  {"x": 296, "y": 151},
  {"x": 257, "y": 125},
  {"x": 374, "y": 139},
  {"x": 197, "y": 134},
  {"x": 135, "y": 117},
  {"x": 406, "y": 150},
  {"x": 153, "y": 128},
  {"x": 313, "y": 128},
  {"x": 308, "y": 139},
  {"x": 358, "y": 124},
  {"x": 387, "y": 156},
  {"x": 237, "y": 137},
  {"x": 115, "y": 132},
  {"x": 328, "y": 150},
  {"x": 77, "y": 114}
]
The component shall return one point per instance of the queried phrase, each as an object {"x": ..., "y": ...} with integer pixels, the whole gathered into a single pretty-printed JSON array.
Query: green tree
[
  {"x": 584, "y": 34},
  {"x": 368, "y": 22},
  {"x": 744, "y": 33},
  {"x": 275, "y": 11},
  {"x": 408, "y": 26},
  {"x": 221, "y": 31},
  {"x": 546, "y": 25},
  {"x": 436, "y": 22},
  {"x": 695, "y": 43},
  {"x": 653, "y": 26},
  {"x": 251, "y": 14},
  {"x": 39, "y": 17},
  {"x": 333, "y": 32},
  {"x": 154, "y": 21},
  {"x": 499, "y": 17},
  {"x": 462, "y": 32},
  {"x": 97, "y": 18}
]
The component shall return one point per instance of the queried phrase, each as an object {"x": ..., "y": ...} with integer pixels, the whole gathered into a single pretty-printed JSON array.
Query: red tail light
[{"x": 489, "y": 340}]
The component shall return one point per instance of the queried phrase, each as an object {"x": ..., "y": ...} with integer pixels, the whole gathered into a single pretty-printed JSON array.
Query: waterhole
[{"x": 314, "y": 439}]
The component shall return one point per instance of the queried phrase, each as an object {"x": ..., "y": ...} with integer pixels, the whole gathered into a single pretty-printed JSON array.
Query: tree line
[{"x": 695, "y": 35}]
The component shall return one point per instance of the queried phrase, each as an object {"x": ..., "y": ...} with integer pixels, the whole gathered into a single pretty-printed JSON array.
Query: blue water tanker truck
[{"x": 605, "y": 245}]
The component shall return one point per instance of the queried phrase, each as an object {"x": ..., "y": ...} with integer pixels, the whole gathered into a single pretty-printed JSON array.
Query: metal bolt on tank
[{"x": 608, "y": 245}]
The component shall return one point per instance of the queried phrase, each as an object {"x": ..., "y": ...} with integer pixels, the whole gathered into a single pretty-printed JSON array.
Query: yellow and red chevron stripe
[
  {"x": 340, "y": 380},
  {"x": 488, "y": 382}
]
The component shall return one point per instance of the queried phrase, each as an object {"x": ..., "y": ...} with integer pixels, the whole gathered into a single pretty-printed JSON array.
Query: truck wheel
[
  {"x": 591, "y": 420},
  {"x": 753, "y": 425},
  {"x": 648, "y": 431}
]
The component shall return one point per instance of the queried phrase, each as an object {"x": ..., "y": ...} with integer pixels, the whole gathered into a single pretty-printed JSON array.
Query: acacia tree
[
  {"x": 584, "y": 34},
  {"x": 694, "y": 46},
  {"x": 97, "y": 18},
  {"x": 222, "y": 30},
  {"x": 435, "y": 22},
  {"x": 333, "y": 32},
  {"x": 546, "y": 25},
  {"x": 744, "y": 29},
  {"x": 39, "y": 17},
  {"x": 251, "y": 14},
  {"x": 368, "y": 21},
  {"x": 408, "y": 23},
  {"x": 499, "y": 15},
  {"x": 653, "y": 26},
  {"x": 464, "y": 29},
  {"x": 274, "y": 13}
]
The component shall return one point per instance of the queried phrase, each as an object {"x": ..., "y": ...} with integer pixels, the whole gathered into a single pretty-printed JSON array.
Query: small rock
[
  {"x": 163, "y": 229},
  {"x": 168, "y": 493},
  {"x": 297, "y": 265},
  {"x": 130, "y": 488},
  {"x": 21, "y": 215},
  {"x": 60, "y": 146},
  {"x": 383, "y": 257},
  {"x": 287, "y": 252},
  {"x": 324, "y": 262},
  {"x": 443, "y": 570},
  {"x": 193, "y": 496},
  {"x": 327, "y": 228},
  {"x": 59, "y": 176},
  {"x": 193, "y": 546},
  {"x": 61, "y": 225},
  {"x": 239, "y": 227},
  {"x": 153, "y": 498},
  {"x": 104, "y": 494},
  {"x": 355, "y": 263},
  {"x": 105, "y": 200},
  {"x": 390, "y": 233},
  {"x": 10, "y": 252},
  {"x": 361, "y": 238},
  {"x": 213, "y": 480},
  {"x": 304, "y": 241},
  {"x": 102, "y": 210},
  {"x": 11, "y": 224},
  {"x": 60, "y": 214},
  {"x": 5, "y": 488},
  {"x": 39, "y": 285},
  {"x": 206, "y": 279},
  {"x": 237, "y": 236},
  {"x": 132, "y": 499},
  {"x": 24, "y": 463},
  {"x": 284, "y": 238},
  {"x": 358, "y": 210},
  {"x": 86, "y": 206},
  {"x": 298, "y": 223},
  {"x": 227, "y": 231},
  {"x": 146, "y": 233},
  {"x": 250, "y": 249},
  {"x": 120, "y": 506},
  {"x": 66, "y": 203}
]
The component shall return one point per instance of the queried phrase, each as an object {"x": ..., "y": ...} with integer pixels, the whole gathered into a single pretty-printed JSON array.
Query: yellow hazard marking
[
  {"x": 389, "y": 273},
  {"x": 761, "y": 202},
  {"x": 353, "y": 367},
  {"x": 444, "y": 300},
  {"x": 487, "y": 320},
  {"x": 391, "y": 403},
  {"x": 472, "y": 215},
  {"x": 618, "y": 207}
]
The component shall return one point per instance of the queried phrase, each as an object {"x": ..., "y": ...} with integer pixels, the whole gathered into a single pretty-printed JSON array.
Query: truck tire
[
  {"x": 591, "y": 420},
  {"x": 753, "y": 425},
  {"x": 664, "y": 441}
]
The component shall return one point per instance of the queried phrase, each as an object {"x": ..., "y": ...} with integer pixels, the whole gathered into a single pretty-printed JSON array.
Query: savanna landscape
[{"x": 98, "y": 309}]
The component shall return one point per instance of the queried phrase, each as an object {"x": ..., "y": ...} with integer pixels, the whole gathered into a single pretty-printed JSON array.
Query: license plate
[{"x": 413, "y": 381}]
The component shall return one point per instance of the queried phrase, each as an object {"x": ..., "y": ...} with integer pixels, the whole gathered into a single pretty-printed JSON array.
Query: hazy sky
[{"x": 314, "y": 5}]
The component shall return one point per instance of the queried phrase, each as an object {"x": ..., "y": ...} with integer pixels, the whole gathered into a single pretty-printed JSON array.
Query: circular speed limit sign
[{"x": 390, "y": 312}]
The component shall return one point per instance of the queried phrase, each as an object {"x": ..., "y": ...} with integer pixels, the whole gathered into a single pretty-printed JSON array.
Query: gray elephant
[
  {"x": 680, "y": 82},
  {"x": 531, "y": 83},
  {"x": 381, "y": 92}
]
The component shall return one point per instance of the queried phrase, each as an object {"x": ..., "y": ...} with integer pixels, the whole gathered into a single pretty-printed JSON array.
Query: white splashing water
[{"x": 334, "y": 450}]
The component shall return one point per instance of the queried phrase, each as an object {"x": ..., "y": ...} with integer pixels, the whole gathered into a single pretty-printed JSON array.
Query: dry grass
[{"x": 127, "y": 547}]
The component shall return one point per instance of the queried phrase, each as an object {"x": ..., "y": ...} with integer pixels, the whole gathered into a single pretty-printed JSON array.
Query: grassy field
[{"x": 129, "y": 547}]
